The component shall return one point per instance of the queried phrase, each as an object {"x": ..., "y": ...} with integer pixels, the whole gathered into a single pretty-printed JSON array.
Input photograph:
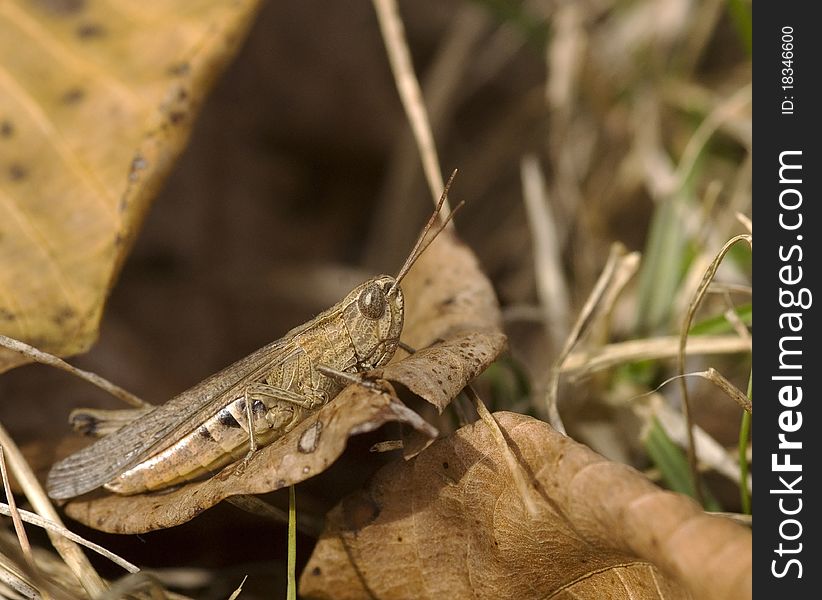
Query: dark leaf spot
[
  {"x": 444, "y": 465},
  {"x": 175, "y": 117},
  {"x": 316, "y": 571},
  {"x": 73, "y": 96},
  {"x": 63, "y": 316},
  {"x": 89, "y": 31},
  {"x": 6, "y": 315},
  {"x": 204, "y": 433},
  {"x": 6, "y": 129},
  {"x": 17, "y": 172},
  {"x": 179, "y": 69}
]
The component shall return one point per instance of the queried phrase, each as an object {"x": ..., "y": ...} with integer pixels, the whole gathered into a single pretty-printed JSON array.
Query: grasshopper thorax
[{"x": 373, "y": 313}]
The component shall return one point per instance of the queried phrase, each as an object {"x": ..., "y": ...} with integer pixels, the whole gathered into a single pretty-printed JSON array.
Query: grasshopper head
[{"x": 374, "y": 313}]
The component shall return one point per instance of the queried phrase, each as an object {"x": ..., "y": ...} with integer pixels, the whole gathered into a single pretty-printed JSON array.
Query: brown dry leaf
[
  {"x": 96, "y": 102},
  {"x": 449, "y": 523},
  {"x": 468, "y": 324}
]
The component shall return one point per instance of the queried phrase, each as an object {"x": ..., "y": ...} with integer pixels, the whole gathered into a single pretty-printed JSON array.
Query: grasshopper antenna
[{"x": 419, "y": 248}]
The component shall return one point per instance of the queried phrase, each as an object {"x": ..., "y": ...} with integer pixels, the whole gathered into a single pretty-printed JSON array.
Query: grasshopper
[{"x": 252, "y": 402}]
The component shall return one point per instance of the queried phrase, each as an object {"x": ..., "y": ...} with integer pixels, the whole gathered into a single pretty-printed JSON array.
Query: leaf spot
[
  {"x": 176, "y": 117},
  {"x": 73, "y": 96},
  {"x": 179, "y": 69},
  {"x": 64, "y": 315},
  {"x": 6, "y": 129},
  {"x": 89, "y": 31},
  {"x": 17, "y": 172},
  {"x": 137, "y": 164},
  {"x": 310, "y": 439}
]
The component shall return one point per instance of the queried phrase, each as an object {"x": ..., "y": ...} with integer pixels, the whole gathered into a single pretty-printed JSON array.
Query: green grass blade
[
  {"x": 291, "y": 594},
  {"x": 673, "y": 465}
]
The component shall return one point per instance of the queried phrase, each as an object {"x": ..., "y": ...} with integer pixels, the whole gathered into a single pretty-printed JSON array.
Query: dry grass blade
[
  {"x": 746, "y": 222},
  {"x": 236, "y": 593},
  {"x": 619, "y": 268},
  {"x": 13, "y": 583},
  {"x": 517, "y": 472},
  {"x": 726, "y": 386},
  {"x": 552, "y": 289},
  {"x": 69, "y": 550},
  {"x": 22, "y": 538},
  {"x": 49, "y": 359},
  {"x": 582, "y": 363},
  {"x": 393, "y": 34},
  {"x": 683, "y": 340},
  {"x": 51, "y": 526}
]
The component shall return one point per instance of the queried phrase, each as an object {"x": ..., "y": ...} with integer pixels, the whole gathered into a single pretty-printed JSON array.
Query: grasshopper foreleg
[{"x": 368, "y": 379}]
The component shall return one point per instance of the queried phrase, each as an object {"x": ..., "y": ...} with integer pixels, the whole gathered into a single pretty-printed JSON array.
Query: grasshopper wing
[{"x": 108, "y": 457}]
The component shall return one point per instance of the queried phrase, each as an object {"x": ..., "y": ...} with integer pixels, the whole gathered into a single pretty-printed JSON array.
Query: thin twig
[
  {"x": 71, "y": 552},
  {"x": 393, "y": 34},
  {"x": 58, "y": 363}
]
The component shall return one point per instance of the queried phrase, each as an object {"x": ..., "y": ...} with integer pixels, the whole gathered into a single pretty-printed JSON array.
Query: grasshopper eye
[{"x": 372, "y": 302}]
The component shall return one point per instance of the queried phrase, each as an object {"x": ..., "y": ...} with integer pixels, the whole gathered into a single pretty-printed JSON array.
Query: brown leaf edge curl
[
  {"x": 447, "y": 299},
  {"x": 449, "y": 524}
]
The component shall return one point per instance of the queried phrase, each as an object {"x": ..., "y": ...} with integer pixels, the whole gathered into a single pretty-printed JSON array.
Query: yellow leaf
[{"x": 96, "y": 102}]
